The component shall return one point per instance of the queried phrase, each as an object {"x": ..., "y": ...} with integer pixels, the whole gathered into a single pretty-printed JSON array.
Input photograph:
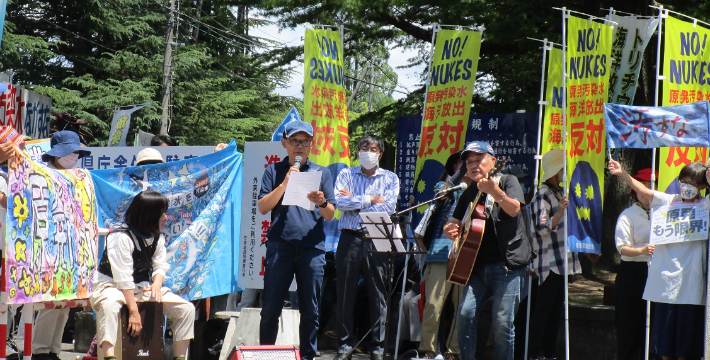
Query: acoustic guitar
[{"x": 464, "y": 251}]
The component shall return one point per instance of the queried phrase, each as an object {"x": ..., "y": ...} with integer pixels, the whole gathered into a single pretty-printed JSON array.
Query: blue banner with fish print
[{"x": 203, "y": 225}]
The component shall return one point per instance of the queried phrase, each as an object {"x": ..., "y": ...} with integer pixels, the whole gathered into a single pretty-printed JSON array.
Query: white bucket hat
[{"x": 552, "y": 163}]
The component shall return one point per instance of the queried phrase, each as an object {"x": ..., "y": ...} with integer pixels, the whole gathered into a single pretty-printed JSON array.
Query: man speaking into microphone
[{"x": 295, "y": 241}]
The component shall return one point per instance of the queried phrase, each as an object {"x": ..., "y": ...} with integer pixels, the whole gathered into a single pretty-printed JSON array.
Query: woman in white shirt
[
  {"x": 632, "y": 233},
  {"x": 677, "y": 273},
  {"x": 132, "y": 269}
]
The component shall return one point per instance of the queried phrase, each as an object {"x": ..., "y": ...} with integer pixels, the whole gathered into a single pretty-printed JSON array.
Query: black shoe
[
  {"x": 377, "y": 357},
  {"x": 53, "y": 356},
  {"x": 342, "y": 356}
]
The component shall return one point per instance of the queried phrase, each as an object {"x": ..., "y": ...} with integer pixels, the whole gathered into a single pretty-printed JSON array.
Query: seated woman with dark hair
[{"x": 132, "y": 269}]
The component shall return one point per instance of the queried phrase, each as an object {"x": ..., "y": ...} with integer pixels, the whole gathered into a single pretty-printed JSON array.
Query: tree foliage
[{"x": 92, "y": 55}]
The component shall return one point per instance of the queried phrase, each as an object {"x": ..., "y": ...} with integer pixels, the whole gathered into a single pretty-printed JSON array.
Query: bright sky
[{"x": 407, "y": 78}]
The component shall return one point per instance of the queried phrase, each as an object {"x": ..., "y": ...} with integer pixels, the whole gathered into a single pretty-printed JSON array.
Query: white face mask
[
  {"x": 68, "y": 161},
  {"x": 688, "y": 191},
  {"x": 368, "y": 159}
]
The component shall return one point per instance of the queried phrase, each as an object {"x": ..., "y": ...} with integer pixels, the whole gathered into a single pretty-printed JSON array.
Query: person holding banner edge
[
  {"x": 502, "y": 258},
  {"x": 677, "y": 273},
  {"x": 296, "y": 240},
  {"x": 632, "y": 235}
]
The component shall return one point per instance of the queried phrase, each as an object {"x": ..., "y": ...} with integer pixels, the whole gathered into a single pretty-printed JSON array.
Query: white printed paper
[
  {"x": 299, "y": 185},
  {"x": 679, "y": 222},
  {"x": 379, "y": 226}
]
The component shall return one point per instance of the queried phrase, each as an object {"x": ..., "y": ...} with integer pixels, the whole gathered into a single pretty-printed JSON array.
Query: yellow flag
[
  {"x": 588, "y": 66},
  {"x": 685, "y": 58}
]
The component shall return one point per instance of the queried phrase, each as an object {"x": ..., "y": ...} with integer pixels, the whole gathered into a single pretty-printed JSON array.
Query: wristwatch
[{"x": 324, "y": 204}]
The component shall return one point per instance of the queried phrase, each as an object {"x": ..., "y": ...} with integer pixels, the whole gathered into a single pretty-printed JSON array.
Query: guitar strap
[{"x": 489, "y": 198}]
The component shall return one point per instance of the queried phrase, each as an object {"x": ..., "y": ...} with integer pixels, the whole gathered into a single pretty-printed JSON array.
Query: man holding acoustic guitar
[{"x": 500, "y": 249}]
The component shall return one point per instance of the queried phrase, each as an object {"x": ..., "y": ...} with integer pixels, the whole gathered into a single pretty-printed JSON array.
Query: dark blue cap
[
  {"x": 480, "y": 147},
  {"x": 297, "y": 126},
  {"x": 64, "y": 143}
]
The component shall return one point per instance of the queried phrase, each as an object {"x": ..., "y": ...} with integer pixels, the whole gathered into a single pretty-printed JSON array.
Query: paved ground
[{"x": 325, "y": 355}]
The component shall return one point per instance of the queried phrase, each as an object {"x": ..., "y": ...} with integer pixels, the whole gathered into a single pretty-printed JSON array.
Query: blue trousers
[
  {"x": 283, "y": 261},
  {"x": 490, "y": 281}
]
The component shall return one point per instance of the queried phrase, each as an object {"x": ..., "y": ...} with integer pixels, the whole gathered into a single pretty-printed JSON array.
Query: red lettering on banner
[
  {"x": 328, "y": 111},
  {"x": 577, "y": 132},
  {"x": 344, "y": 141},
  {"x": 684, "y": 96},
  {"x": 601, "y": 88},
  {"x": 595, "y": 89},
  {"x": 555, "y": 119},
  {"x": 265, "y": 225},
  {"x": 680, "y": 155},
  {"x": 341, "y": 97},
  {"x": 599, "y": 107},
  {"x": 450, "y": 136},
  {"x": 316, "y": 109},
  {"x": 430, "y": 97},
  {"x": 691, "y": 96},
  {"x": 590, "y": 107},
  {"x": 572, "y": 92},
  {"x": 461, "y": 92},
  {"x": 429, "y": 113},
  {"x": 323, "y": 139},
  {"x": 324, "y": 93},
  {"x": 446, "y": 109},
  {"x": 699, "y": 96},
  {"x": 315, "y": 92},
  {"x": 440, "y": 95},
  {"x": 586, "y": 89},
  {"x": 271, "y": 159},
  {"x": 340, "y": 112},
  {"x": 673, "y": 97},
  {"x": 594, "y": 135},
  {"x": 573, "y": 109},
  {"x": 452, "y": 92},
  {"x": 427, "y": 137},
  {"x": 555, "y": 136},
  {"x": 459, "y": 109},
  {"x": 581, "y": 109},
  {"x": 333, "y": 94}
]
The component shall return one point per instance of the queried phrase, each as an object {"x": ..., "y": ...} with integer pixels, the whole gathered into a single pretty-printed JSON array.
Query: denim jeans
[
  {"x": 283, "y": 260},
  {"x": 490, "y": 281}
]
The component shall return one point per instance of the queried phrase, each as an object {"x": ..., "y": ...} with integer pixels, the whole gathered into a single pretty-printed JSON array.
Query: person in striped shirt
[{"x": 364, "y": 188}]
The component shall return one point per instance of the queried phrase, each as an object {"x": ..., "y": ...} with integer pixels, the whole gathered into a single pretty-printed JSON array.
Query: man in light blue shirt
[{"x": 364, "y": 188}]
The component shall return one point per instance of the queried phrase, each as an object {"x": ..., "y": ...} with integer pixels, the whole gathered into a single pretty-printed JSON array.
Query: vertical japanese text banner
[
  {"x": 588, "y": 66},
  {"x": 448, "y": 104},
  {"x": 685, "y": 56},
  {"x": 325, "y": 107},
  {"x": 631, "y": 36},
  {"x": 325, "y": 100},
  {"x": 552, "y": 121}
]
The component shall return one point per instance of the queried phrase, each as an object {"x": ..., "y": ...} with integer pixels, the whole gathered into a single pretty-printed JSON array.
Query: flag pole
[
  {"x": 565, "y": 15},
  {"x": 653, "y": 169}
]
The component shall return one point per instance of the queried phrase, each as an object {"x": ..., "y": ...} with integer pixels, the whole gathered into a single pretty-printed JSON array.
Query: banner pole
[
  {"x": 401, "y": 298},
  {"x": 542, "y": 103},
  {"x": 653, "y": 167},
  {"x": 435, "y": 29},
  {"x": 565, "y": 15}
]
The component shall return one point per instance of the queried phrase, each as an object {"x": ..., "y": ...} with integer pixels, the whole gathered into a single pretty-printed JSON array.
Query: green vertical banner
[
  {"x": 325, "y": 99},
  {"x": 588, "y": 65},
  {"x": 686, "y": 55},
  {"x": 448, "y": 103},
  {"x": 554, "y": 95}
]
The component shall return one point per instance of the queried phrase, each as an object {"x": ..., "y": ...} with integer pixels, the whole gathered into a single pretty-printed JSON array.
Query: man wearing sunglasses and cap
[
  {"x": 500, "y": 265},
  {"x": 296, "y": 240}
]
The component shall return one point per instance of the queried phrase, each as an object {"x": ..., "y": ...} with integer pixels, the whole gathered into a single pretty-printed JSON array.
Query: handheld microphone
[
  {"x": 461, "y": 186},
  {"x": 297, "y": 162}
]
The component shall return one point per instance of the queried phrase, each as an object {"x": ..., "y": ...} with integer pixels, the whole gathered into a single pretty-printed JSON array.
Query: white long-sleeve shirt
[{"x": 119, "y": 250}]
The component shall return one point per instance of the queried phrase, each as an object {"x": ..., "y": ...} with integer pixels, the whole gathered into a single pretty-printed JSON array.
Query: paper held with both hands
[
  {"x": 298, "y": 187},
  {"x": 376, "y": 223}
]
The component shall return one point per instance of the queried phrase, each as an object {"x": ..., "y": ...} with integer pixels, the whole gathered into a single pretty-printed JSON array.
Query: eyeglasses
[{"x": 304, "y": 143}]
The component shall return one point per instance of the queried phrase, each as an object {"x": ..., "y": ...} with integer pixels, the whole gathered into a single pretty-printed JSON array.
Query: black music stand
[{"x": 386, "y": 227}]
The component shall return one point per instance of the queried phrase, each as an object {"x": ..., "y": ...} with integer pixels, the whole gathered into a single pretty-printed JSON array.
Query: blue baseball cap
[
  {"x": 480, "y": 147},
  {"x": 64, "y": 143},
  {"x": 297, "y": 126}
]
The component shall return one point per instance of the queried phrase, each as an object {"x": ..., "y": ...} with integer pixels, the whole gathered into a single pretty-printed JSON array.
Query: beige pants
[
  {"x": 436, "y": 291},
  {"x": 107, "y": 301},
  {"x": 47, "y": 331}
]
